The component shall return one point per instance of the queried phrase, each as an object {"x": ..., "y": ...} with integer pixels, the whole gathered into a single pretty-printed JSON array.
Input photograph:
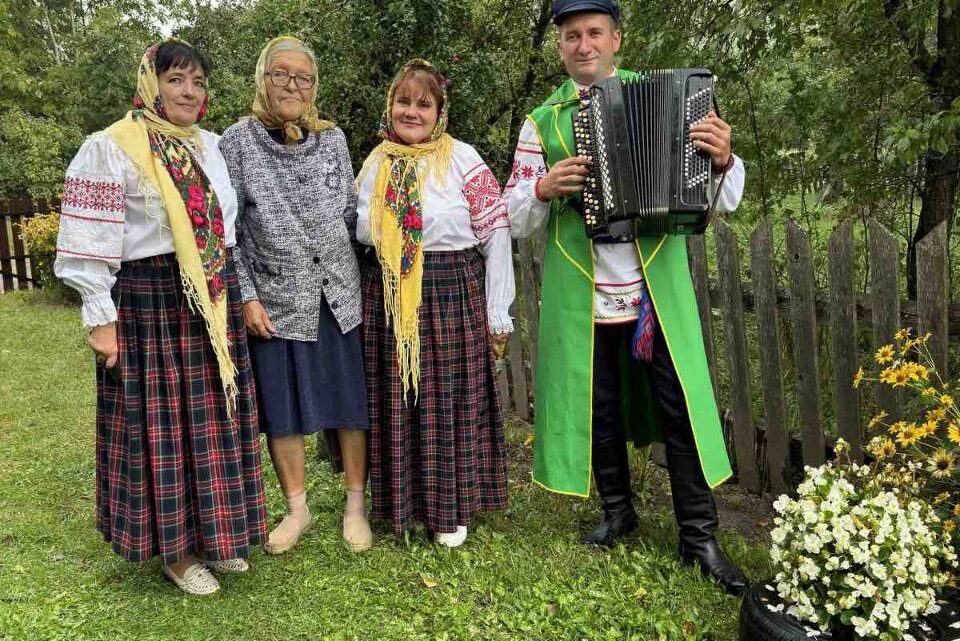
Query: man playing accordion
[{"x": 621, "y": 352}]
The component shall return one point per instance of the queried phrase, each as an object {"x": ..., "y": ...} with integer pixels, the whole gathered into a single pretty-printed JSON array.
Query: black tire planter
[{"x": 760, "y": 622}]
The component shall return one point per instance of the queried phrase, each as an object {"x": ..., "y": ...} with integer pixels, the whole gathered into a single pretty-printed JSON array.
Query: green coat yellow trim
[{"x": 564, "y": 394}]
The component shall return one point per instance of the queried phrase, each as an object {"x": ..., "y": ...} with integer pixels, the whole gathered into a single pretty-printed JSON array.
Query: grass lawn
[{"x": 521, "y": 575}]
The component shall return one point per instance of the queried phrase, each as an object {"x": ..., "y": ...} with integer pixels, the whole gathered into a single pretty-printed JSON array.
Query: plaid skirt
[
  {"x": 175, "y": 474},
  {"x": 441, "y": 459}
]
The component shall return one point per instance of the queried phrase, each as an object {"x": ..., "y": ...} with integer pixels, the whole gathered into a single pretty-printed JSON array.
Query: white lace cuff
[{"x": 98, "y": 309}]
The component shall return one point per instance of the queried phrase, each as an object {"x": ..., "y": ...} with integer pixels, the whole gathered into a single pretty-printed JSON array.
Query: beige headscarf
[{"x": 292, "y": 129}]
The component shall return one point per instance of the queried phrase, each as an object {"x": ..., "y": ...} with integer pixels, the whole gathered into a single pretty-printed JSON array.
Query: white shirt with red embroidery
[
  {"x": 618, "y": 276},
  {"x": 462, "y": 212},
  {"x": 108, "y": 215}
]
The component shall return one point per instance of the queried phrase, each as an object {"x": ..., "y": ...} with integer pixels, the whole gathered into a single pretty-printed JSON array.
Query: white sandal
[
  {"x": 196, "y": 581},
  {"x": 452, "y": 539},
  {"x": 228, "y": 566}
]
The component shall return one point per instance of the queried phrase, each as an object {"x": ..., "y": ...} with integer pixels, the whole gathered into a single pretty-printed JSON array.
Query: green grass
[{"x": 521, "y": 575}]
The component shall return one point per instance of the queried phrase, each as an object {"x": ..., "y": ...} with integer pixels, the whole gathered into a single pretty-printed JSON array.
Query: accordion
[{"x": 646, "y": 178}]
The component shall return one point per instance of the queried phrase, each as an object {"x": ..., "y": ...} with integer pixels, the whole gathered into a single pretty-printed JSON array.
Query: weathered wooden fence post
[
  {"x": 771, "y": 376},
  {"x": 805, "y": 352},
  {"x": 697, "y": 257},
  {"x": 885, "y": 295},
  {"x": 744, "y": 434},
  {"x": 843, "y": 335},
  {"x": 933, "y": 295}
]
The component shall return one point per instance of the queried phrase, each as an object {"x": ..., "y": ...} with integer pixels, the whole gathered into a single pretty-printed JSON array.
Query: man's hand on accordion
[
  {"x": 564, "y": 178},
  {"x": 712, "y": 135}
]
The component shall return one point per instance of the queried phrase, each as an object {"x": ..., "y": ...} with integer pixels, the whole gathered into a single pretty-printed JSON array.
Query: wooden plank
[
  {"x": 805, "y": 352},
  {"x": 503, "y": 386},
  {"x": 697, "y": 254},
  {"x": 20, "y": 251},
  {"x": 933, "y": 293},
  {"x": 744, "y": 436},
  {"x": 6, "y": 249},
  {"x": 843, "y": 336},
  {"x": 518, "y": 377},
  {"x": 531, "y": 303},
  {"x": 884, "y": 289},
  {"x": 762, "y": 268},
  {"x": 908, "y": 308}
]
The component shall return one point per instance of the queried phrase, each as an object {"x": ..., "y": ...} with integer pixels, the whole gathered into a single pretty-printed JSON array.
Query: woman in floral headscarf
[
  {"x": 146, "y": 232},
  {"x": 436, "y": 294}
]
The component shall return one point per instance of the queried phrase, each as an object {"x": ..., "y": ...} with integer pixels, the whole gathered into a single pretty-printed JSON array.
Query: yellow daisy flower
[
  {"x": 946, "y": 400},
  {"x": 877, "y": 419},
  {"x": 858, "y": 378},
  {"x": 901, "y": 377},
  {"x": 897, "y": 427},
  {"x": 942, "y": 464},
  {"x": 882, "y": 448},
  {"x": 930, "y": 391},
  {"x": 885, "y": 354},
  {"x": 917, "y": 371},
  {"x": 940, "y": 498},
  {"x": 889, "y": 375},
  {"x": 902, "y": 335},
  {"x": 949, "y": 526},
  {"x": 953, "y": 433},
  {"x": 909, "y": 435},
  {"x": 956, "y": 509}
]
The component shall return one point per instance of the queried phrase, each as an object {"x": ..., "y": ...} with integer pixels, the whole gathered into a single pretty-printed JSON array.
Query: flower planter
[{"x": 760, "y": 620}]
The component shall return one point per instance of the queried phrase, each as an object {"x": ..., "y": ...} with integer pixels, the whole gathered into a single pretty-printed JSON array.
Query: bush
[{"x": 40, "y": 238}]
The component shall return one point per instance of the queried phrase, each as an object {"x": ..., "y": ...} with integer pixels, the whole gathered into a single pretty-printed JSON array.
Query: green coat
[{"x": 564, "y": 416}]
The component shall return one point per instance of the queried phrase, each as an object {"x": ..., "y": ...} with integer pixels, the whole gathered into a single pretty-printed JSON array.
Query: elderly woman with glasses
[{"x": 300, "y": 282}]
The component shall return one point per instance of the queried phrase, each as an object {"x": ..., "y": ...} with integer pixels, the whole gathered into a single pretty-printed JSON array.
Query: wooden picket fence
[
  {"x": 759, "y": 441},
  {"x": 15, "y": 268},
  {"x": 762, "y": 443}
]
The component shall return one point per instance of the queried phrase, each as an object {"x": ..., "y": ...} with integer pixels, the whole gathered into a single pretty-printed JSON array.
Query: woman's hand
[
  {"x": 103, "y": 341},
  {"x": 498, "y": 344},
  {"x": 256, "y": 319}
]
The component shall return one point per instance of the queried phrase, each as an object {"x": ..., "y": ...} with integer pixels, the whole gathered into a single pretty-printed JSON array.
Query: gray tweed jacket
[{"x": 296, "y": 227}]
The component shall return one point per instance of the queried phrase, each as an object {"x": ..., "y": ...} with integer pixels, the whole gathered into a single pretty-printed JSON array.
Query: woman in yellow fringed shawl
[
  {"x": 146, "y": 232},
  {"x": 436, "y": 293}
]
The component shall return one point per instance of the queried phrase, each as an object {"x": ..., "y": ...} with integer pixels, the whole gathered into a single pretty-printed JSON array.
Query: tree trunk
[
  {"x": 938, "y": 197},
  {"x": 942, "y": 74}
]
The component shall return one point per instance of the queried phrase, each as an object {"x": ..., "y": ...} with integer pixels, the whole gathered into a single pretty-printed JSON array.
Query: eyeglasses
[{"x": 282, "y": 79}]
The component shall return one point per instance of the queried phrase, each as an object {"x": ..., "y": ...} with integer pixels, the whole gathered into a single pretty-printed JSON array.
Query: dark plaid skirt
[
  {"x": 175, "y": 474},
  {"x": 442, "y": 459}
]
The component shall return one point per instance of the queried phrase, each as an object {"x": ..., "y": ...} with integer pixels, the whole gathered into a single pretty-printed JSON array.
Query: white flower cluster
[{"x": 851, "y": 550}]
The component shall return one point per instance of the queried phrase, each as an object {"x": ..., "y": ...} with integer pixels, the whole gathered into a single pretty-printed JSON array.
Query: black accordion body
[{"x": 647, "y": 178}]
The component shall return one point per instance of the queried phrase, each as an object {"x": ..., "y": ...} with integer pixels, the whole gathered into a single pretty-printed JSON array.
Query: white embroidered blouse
[
  {"x": 618, "y": 276},
  {"x": 466, "y": 211},
  {"x": 108, "y": 215}
]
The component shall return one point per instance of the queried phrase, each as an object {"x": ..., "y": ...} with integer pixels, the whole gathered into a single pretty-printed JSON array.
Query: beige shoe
[
  {"x": 356, "y": 531},
  {"x": 228, "y": 566},
  {"x": 285, "y": 536},
  {"x": 196, "y": 581}
]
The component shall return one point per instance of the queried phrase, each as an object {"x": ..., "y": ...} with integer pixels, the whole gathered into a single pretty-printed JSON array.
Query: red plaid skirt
[
  {"x": 442, "y": 459},
  {"x": 175, "y": 475}
]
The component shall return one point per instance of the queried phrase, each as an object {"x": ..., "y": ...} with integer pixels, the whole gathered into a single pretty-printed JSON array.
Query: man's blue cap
[{"x": 565, "y": 8}]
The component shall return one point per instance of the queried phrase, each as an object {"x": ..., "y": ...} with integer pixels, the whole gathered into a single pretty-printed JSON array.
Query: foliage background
[{"x": 840, "y": 108}]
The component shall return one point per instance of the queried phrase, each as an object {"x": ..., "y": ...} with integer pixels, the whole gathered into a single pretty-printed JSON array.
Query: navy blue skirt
[{"x": 306, "y": 386}]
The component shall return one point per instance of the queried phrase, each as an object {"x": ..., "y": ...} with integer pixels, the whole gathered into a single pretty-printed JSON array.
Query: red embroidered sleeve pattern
[
  {"x": 88, "y": 195},
  {"x": 488, "y": 211}
]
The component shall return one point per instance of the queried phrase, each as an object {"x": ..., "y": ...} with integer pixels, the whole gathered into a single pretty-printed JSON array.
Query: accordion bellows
[{"x": 647, "y": 178}]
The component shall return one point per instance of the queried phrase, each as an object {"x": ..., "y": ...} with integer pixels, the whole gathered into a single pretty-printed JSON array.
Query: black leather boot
[
  {"x": 611, "y": 471},
  {"x": 611, "y": 468},
  {"x": 696, "y": 513}
]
